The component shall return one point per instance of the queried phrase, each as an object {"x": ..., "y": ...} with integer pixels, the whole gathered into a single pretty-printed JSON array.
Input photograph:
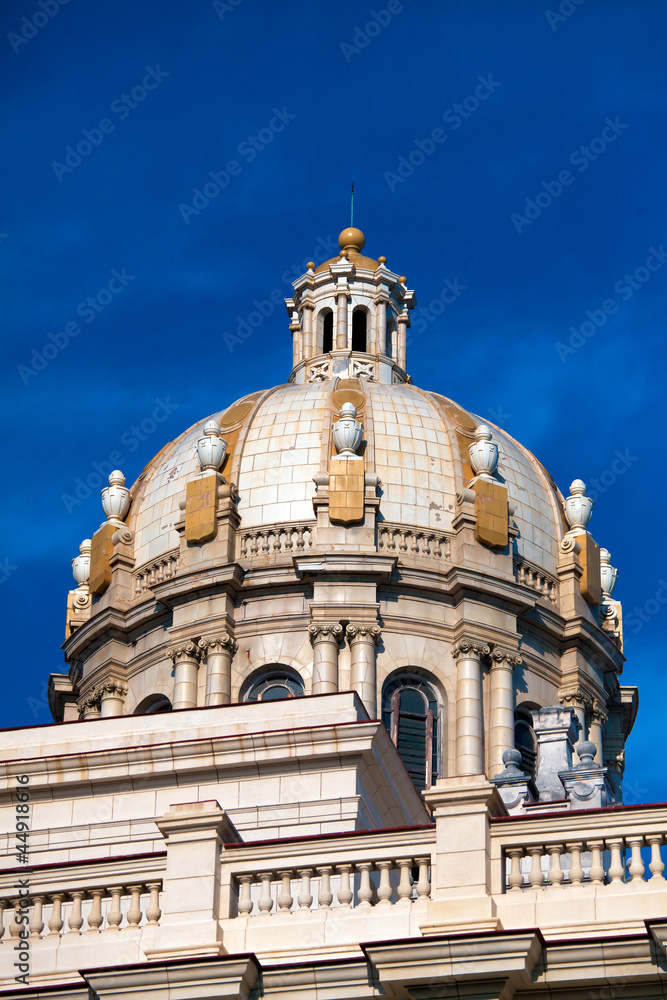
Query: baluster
[
  {"x": 285, "y": 898},
  {"x": 300, "y": 543},
  {"x": 265, "y": 535},
  {"x": 2, "y": 919},
  {"x": 402, "y": 543},
  {"x": 325, "y": 895},
  {"x": 414, "y": 548},
  {"x": 424, "y": 882},
  {"x": 576, "y": 871},
  {"x": 656, "y": 865},
  {"x": 404, "y": 889},
  {"x": 381, "y": 539},
  {"x": 245, "y": 902},
  {"x": 134, "y": 911},
  {"x": 253, "y": 535},
  {"x": 636, "y": 866},
  {"x": 515, "y": 879},
  {"x": 391, "y": 539},
  {"x": 277, "y": 540},
  {"x": 114, "y": 916},
  {"x": 596, "y": 873},
  {"x": 56, "y": 921},
  {"x": 289, "y": 543},
  {"x": 159, "y": 571},
  {"x": 616, "y": 868},
  {"x": 345, "y": 894},
  {"x": 305, "y": 897},
  {"x": 153, "y": 911},
  {"x": 15, "y": 927},
  {"x": 427, "y": 545},
  {"x": 36, "y": 922},
  {"x": 365, "y": 891},
  {"x": 95, "y": 918},
  {"x": 137, "y": 586},
  {"x": 75, "y": 921},
  {"x": 437, "y": 541},
  {"x": 266, "y": 899},
  {"x": 556, "y": 875},
  {"x": 385, "y": 891},
  {"x": 244, "y": 543},
  {"x": 536, "y": 877}
]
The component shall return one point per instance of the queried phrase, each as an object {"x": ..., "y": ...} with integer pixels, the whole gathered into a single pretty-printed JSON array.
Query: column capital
[
  {"x": 112, "y": 688},
  {"x": 91, "y": 700},
  {"x": 220, "y": 643},
  {"x": 363, "y": 633},
  {"x": 186, "y": 649},
  {"x": 325, "y": 631},
  {"x": 510, "y": 656},
  {"x": 470, "y": 647},
  {"x": 575, "y": 697},
  {"x": 599, "y": 712}
]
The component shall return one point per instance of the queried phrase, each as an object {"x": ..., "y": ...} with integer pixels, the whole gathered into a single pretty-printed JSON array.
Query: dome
[
  {"x": 349, "y": 531},
  {"x": 420, "y": 442}
]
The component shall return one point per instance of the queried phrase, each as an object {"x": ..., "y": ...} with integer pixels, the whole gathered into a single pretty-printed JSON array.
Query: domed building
[{"x": 343, "y": 711}]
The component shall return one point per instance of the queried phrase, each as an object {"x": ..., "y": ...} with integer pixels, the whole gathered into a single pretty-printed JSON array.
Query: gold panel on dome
[
  {"x": 101, "y": 550},
  {"x": 236, "y": 412},
  {"x": 589, "y": 557},
  {"x": 201, "y": 505},
  {"x": 346, "y": 490},
  {"x": 492, "y": 512},
  {"x": 348, "y": 390}
]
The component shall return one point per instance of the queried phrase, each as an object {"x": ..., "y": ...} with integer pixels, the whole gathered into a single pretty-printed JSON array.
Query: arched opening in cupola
[
  {"x": 390, "y": 337},
  {"x": 359, "y": 324},
  {"x": 525, "y": 740},
  {"x": 325, "y": 331},
  {"x": 412, "y": 713},
  {"x": 273, "y": 683}
]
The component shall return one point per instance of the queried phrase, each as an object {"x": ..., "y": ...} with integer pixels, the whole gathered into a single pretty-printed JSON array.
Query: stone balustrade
[
  {"x": 157, "y": 571},
  {"x": 537, "y": 580},
  {"x": 403, "y": 541},
  {"x": 78, "y": 911},
  {"x": 344, "y": 885},
  {"x": 271, "y": 540}
]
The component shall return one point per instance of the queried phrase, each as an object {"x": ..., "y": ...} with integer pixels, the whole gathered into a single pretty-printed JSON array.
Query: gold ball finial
[
  {"x": 403, "y": 280},
  {"x": 382, "y": 260},
  {"x": 310, "y": 265},
  {"x": 352, "y": 239}
]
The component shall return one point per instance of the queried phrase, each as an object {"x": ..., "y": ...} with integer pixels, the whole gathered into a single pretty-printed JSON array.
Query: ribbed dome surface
[{"x": 278, "y": 441}]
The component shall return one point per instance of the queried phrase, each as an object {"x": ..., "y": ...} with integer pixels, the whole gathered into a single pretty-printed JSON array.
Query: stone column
[
  {"x": 501, "y": 706},
  {"x": 325, "y": 639},
  {"x": 341, "y": 320},
  {"x": 598, "y": 721},
  {"x": 90, "y": 706},
  {"x": 186, "y": 662},
  {"x": 402, "y": 347},
  {"x": 468, "y": 654},
  {"x": 219, "y": 651},
  {"x": 363, "y": 639},
  {"x": 113, "y": 695},
  {"x": 308, "y": 337},
  {"x": 378, "y": 332},
  {"x": 575, "y": 698}
]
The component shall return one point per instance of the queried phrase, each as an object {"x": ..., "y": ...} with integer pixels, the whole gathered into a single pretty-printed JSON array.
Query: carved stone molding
[
  {"x": 470, "y": 647},
  {"x": 363, "y": 633},
  {"x": 91, "y": 700},
  {"x": 575, "y": 697},
  {"x": 511, "y": 657},
  {"x": 599, "y": 712},
  {"x": 185, "y": 650},
  {"x": 325, "y": 631},
  {"x": 221, "y": 643},
  {"x": 113, "y": 688}
]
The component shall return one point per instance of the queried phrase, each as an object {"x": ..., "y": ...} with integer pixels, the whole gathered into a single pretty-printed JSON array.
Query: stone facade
[{"x": 343, "y": 711}]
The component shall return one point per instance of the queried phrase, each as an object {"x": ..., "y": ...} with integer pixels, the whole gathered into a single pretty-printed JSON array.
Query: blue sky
[{"x": 515, "y": 150}]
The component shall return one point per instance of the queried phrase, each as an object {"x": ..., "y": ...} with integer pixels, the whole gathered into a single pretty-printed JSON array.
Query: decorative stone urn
[
  {"x": 347, "y": 431},
  {"x": 116, "y": 498},
  {"x": 483, "y": 453},
  {"x": 578, "y": 508},
  {"x": 211, "y": 447},
  {"x": 608, "y": 573},
  {"x": 81, "y": 564}
]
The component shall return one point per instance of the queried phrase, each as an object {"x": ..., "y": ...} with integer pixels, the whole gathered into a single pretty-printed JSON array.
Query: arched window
[
  {"x": 411, "y": 713},
  {"x": 325, "y": 321},
  {"x": 390, "y": 337},
  {"x": 274, "y": 685},
  {"x": 359, "y": 320},
  {"x": 153, "y": 703},
  {"x": 525, "y": 740}
]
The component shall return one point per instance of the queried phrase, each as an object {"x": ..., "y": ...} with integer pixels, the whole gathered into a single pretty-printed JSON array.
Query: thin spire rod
[{"x": 352, "y": 205}]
